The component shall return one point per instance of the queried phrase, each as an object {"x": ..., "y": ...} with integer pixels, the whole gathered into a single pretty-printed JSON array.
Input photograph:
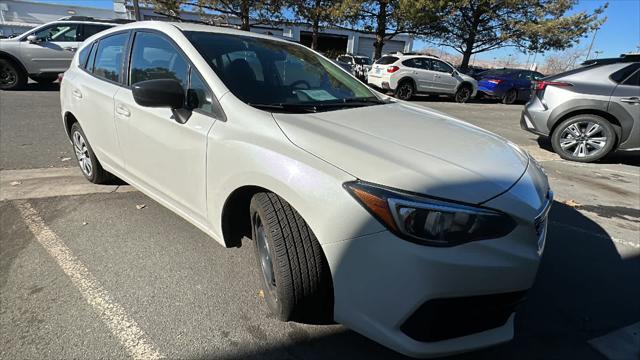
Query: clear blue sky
[{"x": 621, "y": 32}]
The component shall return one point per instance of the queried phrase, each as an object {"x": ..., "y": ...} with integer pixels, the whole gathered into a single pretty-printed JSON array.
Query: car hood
[{"x": 410, "y": 148}]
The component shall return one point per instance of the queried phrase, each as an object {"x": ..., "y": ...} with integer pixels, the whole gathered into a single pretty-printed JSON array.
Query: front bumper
[{"x": 427, "y": 301}]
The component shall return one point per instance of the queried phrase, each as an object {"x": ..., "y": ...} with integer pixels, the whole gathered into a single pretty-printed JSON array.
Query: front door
[
  {"x": 443, "y": 81},
  {"x": 162, "y": 155},
  {"x": 53, "y": 50},
  {"x": 625, "y": 105}
]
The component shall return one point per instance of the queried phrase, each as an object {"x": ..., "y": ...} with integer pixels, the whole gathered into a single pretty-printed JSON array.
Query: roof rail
[
  {"x": 89, "y": 18},
  {"x": 628, "y": 57}
]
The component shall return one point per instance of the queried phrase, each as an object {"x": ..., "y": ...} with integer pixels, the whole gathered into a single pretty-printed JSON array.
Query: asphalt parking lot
[{"x": 105, "y": 272}]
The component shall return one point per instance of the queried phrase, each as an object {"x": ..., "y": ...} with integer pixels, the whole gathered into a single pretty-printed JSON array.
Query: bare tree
[{"x": 563, "y": 61}]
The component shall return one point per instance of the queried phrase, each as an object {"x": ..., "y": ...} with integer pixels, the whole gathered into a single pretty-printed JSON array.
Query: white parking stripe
[{"x": 135, "y": 341}]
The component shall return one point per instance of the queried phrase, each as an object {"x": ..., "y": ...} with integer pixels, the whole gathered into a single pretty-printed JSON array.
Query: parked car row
[{"x": 45, "y": 51}]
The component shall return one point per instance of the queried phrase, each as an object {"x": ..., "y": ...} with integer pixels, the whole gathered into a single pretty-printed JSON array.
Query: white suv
[
  {"x": 408, "y": 74},
  {"x": 415, "y": 229}
]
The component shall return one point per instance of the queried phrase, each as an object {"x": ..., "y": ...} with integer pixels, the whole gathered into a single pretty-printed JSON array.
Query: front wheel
[
  {"x": 296, "y": 281},
  {"x": 583, "y": 138}
]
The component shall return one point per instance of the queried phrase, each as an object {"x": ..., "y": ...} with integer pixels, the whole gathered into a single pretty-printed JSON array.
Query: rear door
[
  {"x": 163, "y": 156},
  {"x": 443, "y": 81},
  {"x": 53, "y": 50},
  {"x": 418, "y": 70},
  {"x": 93, "y": 90},
  {"x": 625, "y": 105}
]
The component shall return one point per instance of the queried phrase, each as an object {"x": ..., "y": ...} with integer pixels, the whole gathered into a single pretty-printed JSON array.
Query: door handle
[
  {"x": 72, "y": 49},
  {"x": 121, "y": 110},
  {"x": 77, "y": 93},
  {"x": 631, "y": 100}
]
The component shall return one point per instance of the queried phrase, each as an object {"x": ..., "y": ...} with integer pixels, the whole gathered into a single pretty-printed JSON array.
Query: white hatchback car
[
  {"x": 415, "y": 229},
  {"x": 410, "y": 74}
]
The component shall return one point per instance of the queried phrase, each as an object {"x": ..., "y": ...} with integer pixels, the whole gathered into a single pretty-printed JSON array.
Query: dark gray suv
[{"x": 590, "y": 111}]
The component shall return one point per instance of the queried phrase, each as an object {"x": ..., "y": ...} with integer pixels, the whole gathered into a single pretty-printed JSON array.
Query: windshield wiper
[
  {"x": 283, "y": 107},
  {"x": 319, "y": 106}
]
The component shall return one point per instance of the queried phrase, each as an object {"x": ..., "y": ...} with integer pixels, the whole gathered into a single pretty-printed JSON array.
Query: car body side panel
[
  {"x": 628, "y": 114},
  {"x": 259, "y": 154}
]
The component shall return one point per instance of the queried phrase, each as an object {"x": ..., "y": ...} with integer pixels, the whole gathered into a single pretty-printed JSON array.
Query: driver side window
[
  {"x": 58, "y": 33},
  {"x": 437, "y": 65}
]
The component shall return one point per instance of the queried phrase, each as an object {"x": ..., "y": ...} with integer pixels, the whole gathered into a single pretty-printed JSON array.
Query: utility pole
[
  {"x": 591, "y": 45},
  {"x": 136, "y": 10}
]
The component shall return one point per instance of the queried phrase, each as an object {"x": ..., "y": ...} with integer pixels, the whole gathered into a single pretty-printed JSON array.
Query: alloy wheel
[
  {"x": 405, "y": 91},
  {"x": 583, "y": 139},
  {"x": 463, "y": 95},
  {"x": 82, "y": 153}
]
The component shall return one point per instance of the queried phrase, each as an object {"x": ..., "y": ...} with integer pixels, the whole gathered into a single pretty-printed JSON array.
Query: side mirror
[
  {"x": 33, "y": 39},
  {"x": 455, "y": 73},
  {"x": 162, "y": 93}
]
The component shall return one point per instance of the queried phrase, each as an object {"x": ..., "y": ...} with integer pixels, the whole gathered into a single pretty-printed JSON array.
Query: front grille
[{"x": 441, "y": 319}]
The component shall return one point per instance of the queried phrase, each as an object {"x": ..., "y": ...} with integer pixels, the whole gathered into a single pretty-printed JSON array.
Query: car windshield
[
  {"x": 279, "y": 76},
  {"x": 363, "y": 61}
]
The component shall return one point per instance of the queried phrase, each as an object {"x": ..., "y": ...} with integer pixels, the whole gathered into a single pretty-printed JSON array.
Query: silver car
[
  {"x": 45, "y": 51},
  {"x": 590, "y": 111}
]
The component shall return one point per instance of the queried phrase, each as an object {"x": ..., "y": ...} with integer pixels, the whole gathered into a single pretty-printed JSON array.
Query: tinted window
[
  {"x": 276, "y": 73},
  {"x": 199, "y": 97},
  {"x": 363, "y": 61},
  {"x": 418, "y": 63},
  {"x": 345, "y": 59},
  {"x": 89, "y": 30},
  {"x": 437, "y": 65},
  {"x": 154, "y": 57},
  {"x": 84, "y": 55},
  {"x": 633, "y": 80},
  {"x": 58, "y": 33},
  {"x": 108, "y": 63},
  {"x": 386, "y": 60},
  {"x": 623, "y": 73}
]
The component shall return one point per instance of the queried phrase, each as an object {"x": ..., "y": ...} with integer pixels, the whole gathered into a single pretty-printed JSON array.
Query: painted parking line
[
  {"x": 621, "y": 344},
  {"x": 49, "y": 182},
  {"x": 122, "y": 326}
]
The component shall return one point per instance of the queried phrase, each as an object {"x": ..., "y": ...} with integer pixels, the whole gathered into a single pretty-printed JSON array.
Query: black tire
[
  {"x": 595, "y": 145},
  {"x": 96, "y": 174},
  {"x": 45, "y": 79},
  {"x": 463, "y": 94},
  {"x": 405, "y": 90},
  {"x": 300, "y": 287},
  {"x": 12, "y": 77},
  {"x": 510, "y": 97}
]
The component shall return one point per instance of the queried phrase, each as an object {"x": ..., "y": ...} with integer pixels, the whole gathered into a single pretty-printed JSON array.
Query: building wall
[{"x": 17, "y": 16}]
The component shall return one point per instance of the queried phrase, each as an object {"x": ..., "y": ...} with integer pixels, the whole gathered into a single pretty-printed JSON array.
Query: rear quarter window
[
  {"x": 386, "y": 60},
  {"x": 624, "y": 73},
  {"x": 84, "y": 55}
]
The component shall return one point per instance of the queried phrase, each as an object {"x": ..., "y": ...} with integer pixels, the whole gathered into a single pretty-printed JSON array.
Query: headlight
[{"x": 430, "y": 221}]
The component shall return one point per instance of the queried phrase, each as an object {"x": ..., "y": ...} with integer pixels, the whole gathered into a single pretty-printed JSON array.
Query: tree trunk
[
  {"x": 471, "y": 40},
  {"x": 466, "y": 56},
  {"x": 381, "y": 29},
  {"x": 315, "y": 26},
  {"x": 244, "y": 16}
]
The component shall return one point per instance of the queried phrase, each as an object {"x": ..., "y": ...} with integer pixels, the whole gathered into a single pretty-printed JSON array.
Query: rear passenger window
[
  {"x": 108, "y": 63},
  {"x": 623, "y": 73},
  {"x": 154, "y": 57}
]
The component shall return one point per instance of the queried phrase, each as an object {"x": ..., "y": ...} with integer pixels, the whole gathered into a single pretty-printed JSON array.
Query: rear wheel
[
  {"x": 405, "y": 90},
  {"x": 463, "y": 94},
  {"x": 295, "y": 275},
  {"x": 12, "y": 77},
  {"x": 87, "y": 160},
  {"x": 510, "y": 97},
  {"x": 583, "y": 138}
]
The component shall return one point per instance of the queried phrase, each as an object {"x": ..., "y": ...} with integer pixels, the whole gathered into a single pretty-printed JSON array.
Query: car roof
[{"x": 186, "y": 26}]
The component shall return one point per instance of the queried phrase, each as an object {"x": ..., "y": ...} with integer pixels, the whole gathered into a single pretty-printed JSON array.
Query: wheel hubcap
[
  {"x": 264, "y": 253},
  {"x": 82, "y": 153},
  {"x": 405, "y": 91},
  {"x": 583, "y": 139}
]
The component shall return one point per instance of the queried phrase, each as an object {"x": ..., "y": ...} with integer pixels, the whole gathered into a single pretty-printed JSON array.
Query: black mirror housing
[{"x": 159, "y": 93}]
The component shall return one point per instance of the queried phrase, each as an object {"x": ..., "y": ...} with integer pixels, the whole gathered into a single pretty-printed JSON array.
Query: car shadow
[
  {"x": 617, "y": 157},
  {"x": 34, "y": 86},
  {"x": 583, "y": 290}
]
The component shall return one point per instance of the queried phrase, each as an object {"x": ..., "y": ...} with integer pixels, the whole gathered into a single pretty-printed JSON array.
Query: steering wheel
[{"x": 300, "y": 82}]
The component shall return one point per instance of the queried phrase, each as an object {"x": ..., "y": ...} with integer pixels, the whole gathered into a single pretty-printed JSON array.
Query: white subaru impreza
[{"x": 415, "y": 229}]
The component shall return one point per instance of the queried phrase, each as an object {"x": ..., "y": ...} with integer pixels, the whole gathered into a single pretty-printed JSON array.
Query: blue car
[{"x": 508, "y": 85}]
